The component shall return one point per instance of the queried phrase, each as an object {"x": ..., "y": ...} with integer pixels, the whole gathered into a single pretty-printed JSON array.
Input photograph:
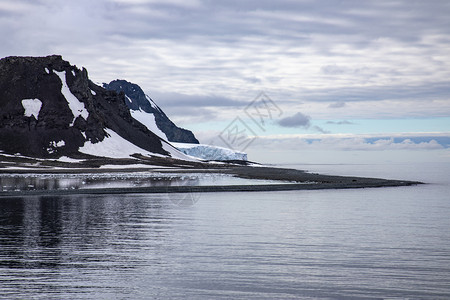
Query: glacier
[{"x": 209, "y": 152}]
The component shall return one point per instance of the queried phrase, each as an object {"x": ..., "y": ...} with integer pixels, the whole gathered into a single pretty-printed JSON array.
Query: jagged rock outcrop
[
  {"x": 49, "y": 108},
  {"x": 137, "y": 100}
]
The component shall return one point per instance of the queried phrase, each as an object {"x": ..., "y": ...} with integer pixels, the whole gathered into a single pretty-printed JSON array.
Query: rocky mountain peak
[
  {"x": 137, "y": 100},
  {"x": 49, "y": 108}
]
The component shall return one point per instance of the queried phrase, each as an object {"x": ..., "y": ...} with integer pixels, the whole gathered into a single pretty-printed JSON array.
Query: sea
[{"x": 375, "y": 243}]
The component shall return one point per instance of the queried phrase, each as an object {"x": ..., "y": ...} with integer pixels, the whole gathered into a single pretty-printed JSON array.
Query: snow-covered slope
[
  {"x": 148, "y": 120},
  {"x": 209, "y": 152},
  {"x": 115, "y": 146}
]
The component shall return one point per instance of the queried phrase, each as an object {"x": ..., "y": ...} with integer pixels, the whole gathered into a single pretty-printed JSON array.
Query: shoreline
[
  {"x": 204, "y": 189},
  {"x": 300, "y": 180}
]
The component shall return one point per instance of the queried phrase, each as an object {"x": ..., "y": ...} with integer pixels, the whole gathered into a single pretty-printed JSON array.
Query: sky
[{"x": 287, "y": 81}]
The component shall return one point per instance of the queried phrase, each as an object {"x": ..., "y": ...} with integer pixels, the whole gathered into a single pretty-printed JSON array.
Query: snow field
[
  {"x": 113, "y": 146},
  {"x": 148, "y": 120}
]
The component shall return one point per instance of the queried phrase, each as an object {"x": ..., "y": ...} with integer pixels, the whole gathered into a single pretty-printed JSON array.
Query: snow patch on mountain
[
  {"x": 32, "y": 107},
  {"x": 54, "y": 144},
  {"x": 147, "y": 119},
  {"x": 75, "y": 105},
  {"x": 209, "y": 152},
  {"x": 113, "y": 145},
  {"x": 58, "y": 144},
  {"x": 69, "y": 159}
]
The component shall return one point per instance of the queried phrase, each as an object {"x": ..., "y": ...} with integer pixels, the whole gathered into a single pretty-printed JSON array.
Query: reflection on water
[
  {"x": 20, "y": 182},
  {"x": 287, "y": 245},
  {"x": 92, "y": 181},
  {"x": 78, "y": 245}
]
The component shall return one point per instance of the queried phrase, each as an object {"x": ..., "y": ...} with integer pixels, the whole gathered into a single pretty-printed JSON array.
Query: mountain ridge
[{"x": 137, "y": 100}]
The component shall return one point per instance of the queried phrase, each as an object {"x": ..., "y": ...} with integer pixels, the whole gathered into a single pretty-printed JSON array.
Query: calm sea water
[{"x": 386, "y": 243}]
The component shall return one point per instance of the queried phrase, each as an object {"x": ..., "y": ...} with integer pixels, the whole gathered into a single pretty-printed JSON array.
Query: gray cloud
[
  {"x": 411, "y": 92},
  {"x": 221, "y": 53},
  {"x": 188, "y": 115},
  {"x": 194, "y": 101},
  {"x": 345, "y": 122},
  {"x": 297, "y": 120},
  {"x": 300, "y": 120},
  {"x": 337, "y": 105}
]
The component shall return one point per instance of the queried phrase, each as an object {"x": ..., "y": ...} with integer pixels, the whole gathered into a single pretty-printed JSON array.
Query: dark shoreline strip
[{"x": 212, "y": 188}]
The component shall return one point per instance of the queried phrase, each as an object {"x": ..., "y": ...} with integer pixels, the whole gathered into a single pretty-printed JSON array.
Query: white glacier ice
[
  {"x": 209, "y": 152},
  {"x": 32, "y": 107}
]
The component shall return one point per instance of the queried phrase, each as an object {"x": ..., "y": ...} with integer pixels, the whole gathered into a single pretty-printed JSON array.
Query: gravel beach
[{"x": 290, "y": 179}]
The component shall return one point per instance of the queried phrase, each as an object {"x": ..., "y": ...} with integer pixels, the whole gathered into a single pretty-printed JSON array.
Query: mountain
[
  {"x": 49, "y": 109},
  {"x": 144, "y": 110}
]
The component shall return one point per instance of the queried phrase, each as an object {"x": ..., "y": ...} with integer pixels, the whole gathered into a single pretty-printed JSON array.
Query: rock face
[
  {"x": 138, "y": 101},
  {"x": 49, "y": 108}
]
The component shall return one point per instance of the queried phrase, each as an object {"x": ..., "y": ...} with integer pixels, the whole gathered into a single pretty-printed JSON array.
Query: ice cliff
[{"x": 209, "y": 152}]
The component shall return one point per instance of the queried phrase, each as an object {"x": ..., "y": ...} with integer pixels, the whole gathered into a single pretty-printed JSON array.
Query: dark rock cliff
[
  {"x": 139, "y": 101},
  {"x": 62, "y": 125}
]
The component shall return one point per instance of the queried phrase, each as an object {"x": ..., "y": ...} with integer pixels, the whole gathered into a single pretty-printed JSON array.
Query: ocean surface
[{"x": 382, "y": 243}]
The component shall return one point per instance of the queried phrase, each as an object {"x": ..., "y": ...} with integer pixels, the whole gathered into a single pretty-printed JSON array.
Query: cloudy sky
[{"x": 286, "y": 80}]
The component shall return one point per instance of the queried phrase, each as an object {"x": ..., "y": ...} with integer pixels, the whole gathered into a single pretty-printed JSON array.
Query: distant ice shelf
[{"x": 209, "y": 152}]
